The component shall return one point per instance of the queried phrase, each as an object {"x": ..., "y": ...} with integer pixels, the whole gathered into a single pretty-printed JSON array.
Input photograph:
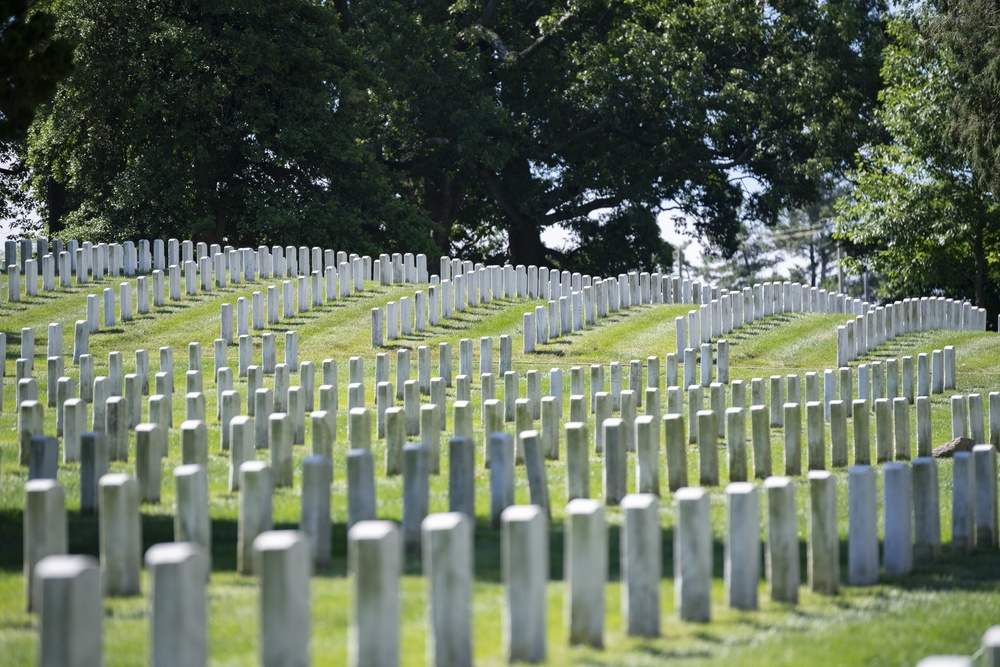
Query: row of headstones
[
  {"x": 98, "y": 260},
  {"x": 129, "y": 300},
  {"x": 876, "y": 325},
  {"x": 912, "y": 534},
  {"x": 342, "y": 273},
  {"x": 416, "y": 461},
  {"x": 116, "y": 383},
  {"x": 573, "y": 299},
  {"x": 576, "y": 300},
  {"x": 310, "y": 293},
  {"x": 117, "y": 407},
  {"x": 727, "y": 311},
  {"x": 27, "y": 388},
  {"x": 228, "y": 402},
  {"x": 280, "y": 430}
]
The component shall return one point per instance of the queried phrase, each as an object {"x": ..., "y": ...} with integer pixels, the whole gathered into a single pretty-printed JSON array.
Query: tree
[
  {"x": 589, "y": 113},
  {"x": 754, "y": 260},
  {"x": 807, "y": 233},
  {"x": 968, "y": 29},
  {"x": 31, "y": 64},
  {"x": 216, "y": 121},
  {"x": 920, "y": 214}
]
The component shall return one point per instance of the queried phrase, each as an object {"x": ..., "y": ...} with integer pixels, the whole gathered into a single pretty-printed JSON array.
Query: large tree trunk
[
  {"x": 980, "y": 268},
  {"x": 524, "y": 242},
  {"x": 55, "y": 199},
  {"x": 442, "y": 198}
]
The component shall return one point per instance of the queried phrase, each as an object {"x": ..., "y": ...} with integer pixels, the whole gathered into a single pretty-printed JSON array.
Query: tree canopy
[
  {"x": 383, "y": 124},
  {"x": 592, "y": 114},
  {"x": 968, "y": 29},
  {"x": 921, "y": 213},
  {"x": 32, "y": 62},
  {"x": 218, "y": 121}
]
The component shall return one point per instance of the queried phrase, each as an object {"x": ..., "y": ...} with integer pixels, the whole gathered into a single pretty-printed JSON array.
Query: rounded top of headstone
[
  {"x": 689, "y": 493},
  {"x": 167, "y": 553},
  {"x": 371, "y": 531},
  {"x": 778, "y": 482},
  {"x": 521, "y": 513},
  {"x": 945, "y": 661},
  {"x": 41, "y": 485},
  {"x": 444, "y": 521},
  {"x": 740, "y": 488},
  {"x": 253, "y": 467},
  {"x": 242, "y": 420},
  {"x": 189, "y": 469},
  {"x": 819, "y": 475},
  {"x": 317, "y": 460},
  {"x": 583, "y": 506},
  {"x": 279, "y": 540},
  {"x": 114, "y": 479},
  {"x": 65, "y": 567},
  {"x": 639, "y": 501}
]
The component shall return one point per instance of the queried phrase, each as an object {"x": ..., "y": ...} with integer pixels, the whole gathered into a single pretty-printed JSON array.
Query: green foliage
[
  {"x": 31, "y": 64},
  {"x": 383, "y": 124},
  {"x": 807, "y": 233},
  {"x": 754, "y": 260},
  {"x": 919, "y": 214},
  {"x": 968, "y": 29},
  {"x": 215, "y": 121},
  {"x": 522, "y": 116},
  {"x": 624, "y": 240}
]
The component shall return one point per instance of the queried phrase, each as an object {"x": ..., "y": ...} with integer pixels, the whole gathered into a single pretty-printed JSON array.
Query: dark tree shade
[
  {"x": 970, "y": 29},
  {"x": 219, "y": 121},
  {"x": 517, "y": 116},
  {"x": 31, "y": 64}
]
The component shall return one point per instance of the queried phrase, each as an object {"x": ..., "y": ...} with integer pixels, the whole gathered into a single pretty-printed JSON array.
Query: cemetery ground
[{"x": 941, "y": 608}]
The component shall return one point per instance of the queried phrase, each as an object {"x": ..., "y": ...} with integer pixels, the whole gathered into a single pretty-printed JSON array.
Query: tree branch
[
  {"x": 489, "y": 13},
  {"x": 563, "y": 214},
  {"x": 488, "y": 37},
  {"x": 550, "y": 149},
  {"x": 546, "y": 38},
  {"x": 492, "y": 181}
]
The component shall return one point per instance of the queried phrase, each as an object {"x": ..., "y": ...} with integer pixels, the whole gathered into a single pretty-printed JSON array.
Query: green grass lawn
[{"x": 939, "y": 609}]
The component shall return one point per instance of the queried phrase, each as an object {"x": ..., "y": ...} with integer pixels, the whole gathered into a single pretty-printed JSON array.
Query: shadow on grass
[{"x": 973, "y": 571}]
